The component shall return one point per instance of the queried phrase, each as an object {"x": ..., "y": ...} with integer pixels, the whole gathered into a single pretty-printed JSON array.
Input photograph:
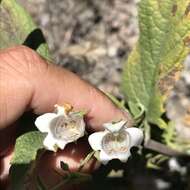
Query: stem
[
  {"x": 60, "y": 184},
  {"x": 85, "y": 160}
]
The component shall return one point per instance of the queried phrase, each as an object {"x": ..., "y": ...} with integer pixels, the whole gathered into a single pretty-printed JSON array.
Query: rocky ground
[{"x": 90, "y": 37}]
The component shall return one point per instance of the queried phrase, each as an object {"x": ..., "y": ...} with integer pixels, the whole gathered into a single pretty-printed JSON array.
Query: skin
[{"x": 28, "y": 82}]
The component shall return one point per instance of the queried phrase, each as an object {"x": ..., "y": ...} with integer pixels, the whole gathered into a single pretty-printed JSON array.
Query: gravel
[{"x": 91, "y": 38}]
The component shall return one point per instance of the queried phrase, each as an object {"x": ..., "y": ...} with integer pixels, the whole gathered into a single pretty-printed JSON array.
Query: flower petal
[
  {"x": 104, "y": 158},
  {"x": 61, "y": 144},
  {"x": 136, "y": 135},
  {"x": 95, "y": 140},
  {"x": 60, "y": 110},
  {"x": 124, "y": 157},
  {"x": 43, "y": 122},
  {"x": 49, "y": 143},
  {"x": 114, "y": 127}
]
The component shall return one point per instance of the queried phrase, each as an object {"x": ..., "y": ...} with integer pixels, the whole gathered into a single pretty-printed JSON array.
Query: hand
[{"x": 27, "y": 82}]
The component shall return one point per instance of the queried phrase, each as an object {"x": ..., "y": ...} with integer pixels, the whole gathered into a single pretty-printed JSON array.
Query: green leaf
[
  {"x": 119, "y": 104},
  {"x": 162, "y": 46},
  {"x": 25, "y": 153},
  {"x": 15, "y": 25},
  {"x": 27, "y": 146},
  {"x": 154, "y": 162},
  {"x": 64, "y": 166},
  {"x": 80, "y": 113}
]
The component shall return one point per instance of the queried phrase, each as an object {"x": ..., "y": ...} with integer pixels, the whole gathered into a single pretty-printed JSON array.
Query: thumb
[{"x": 29, "y": 82}]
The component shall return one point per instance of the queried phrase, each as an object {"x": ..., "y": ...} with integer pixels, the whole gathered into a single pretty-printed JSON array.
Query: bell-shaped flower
[
  {"x": 63, "y": 127},
  {"x": 115, "y": 141}
]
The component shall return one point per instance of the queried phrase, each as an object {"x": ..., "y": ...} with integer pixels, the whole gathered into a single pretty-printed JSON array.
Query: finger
[
  {"x": 48, "y": 168},
  {"x": 27, "y": 81},
  {"x": 7, "y": 139},
  {"x": 4, "y": 169}
]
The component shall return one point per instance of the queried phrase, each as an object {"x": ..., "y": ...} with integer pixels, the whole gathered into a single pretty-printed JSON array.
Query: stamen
[
  {"x": 114, "y": 143},
  {"x": 65, "y": 128}
]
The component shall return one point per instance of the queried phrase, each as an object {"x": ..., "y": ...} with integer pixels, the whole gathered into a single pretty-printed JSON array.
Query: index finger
[{"x": 39, "y": 86}]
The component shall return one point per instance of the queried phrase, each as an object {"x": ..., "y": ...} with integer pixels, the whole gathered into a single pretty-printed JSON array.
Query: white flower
[
  {"x": 62, "y": 127},
  {"x": 115, "y": 141}
]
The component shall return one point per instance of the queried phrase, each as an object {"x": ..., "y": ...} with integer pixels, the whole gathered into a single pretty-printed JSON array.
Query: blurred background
[{"x": 89, "y": 37}]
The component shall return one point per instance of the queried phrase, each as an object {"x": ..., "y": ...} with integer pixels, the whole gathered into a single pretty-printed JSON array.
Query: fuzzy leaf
[
  {"x": 15, "y": 25},
  {"x": 163, "y": 44},
  {"x": 25, "y": 153}
]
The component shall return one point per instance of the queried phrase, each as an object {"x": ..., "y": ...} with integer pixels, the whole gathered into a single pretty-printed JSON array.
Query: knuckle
[{"x": 22, "y": 60}]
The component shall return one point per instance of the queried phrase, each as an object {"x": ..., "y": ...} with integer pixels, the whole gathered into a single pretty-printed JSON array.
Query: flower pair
[{"x": 66, "y": 126}]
